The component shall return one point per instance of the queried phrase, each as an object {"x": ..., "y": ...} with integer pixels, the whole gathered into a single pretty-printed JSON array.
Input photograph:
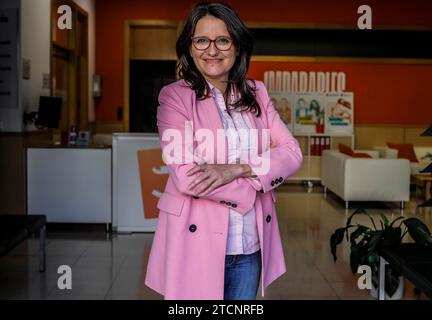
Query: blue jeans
[{"x": 242, "y": 275}]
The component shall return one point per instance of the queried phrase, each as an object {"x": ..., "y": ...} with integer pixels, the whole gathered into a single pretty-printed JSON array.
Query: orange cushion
[
  {"x": 343, "y": 148},
  {"x": 361, "y": 155},
  {"x": 405, "y": 151}
]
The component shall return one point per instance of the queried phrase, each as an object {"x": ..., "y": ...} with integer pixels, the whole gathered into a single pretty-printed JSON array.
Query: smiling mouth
[{"x": 212, "y": 60}]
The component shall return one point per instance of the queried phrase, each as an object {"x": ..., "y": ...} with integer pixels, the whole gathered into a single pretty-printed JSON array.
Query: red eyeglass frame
[{"x": 210, "y": 42}]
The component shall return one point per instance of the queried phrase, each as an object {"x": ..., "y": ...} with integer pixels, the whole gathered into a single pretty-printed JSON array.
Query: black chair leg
[{"x": 42, "y": 255}]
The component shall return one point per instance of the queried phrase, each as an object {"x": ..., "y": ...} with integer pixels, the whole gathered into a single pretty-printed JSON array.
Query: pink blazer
[{"x": 187, "y": 259}]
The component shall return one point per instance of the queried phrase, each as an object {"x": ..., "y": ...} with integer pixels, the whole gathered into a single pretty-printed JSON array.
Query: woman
[
  {"x": 342, "y": 109},
  {"x": 217, "y": 231}
]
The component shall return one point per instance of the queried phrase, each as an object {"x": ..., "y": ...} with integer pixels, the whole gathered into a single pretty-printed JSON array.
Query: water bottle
[{"x": 73, "y": 135}]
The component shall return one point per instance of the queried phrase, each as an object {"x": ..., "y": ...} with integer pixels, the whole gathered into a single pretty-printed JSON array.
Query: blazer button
[
  {"x": 228, "y": 203},
  {"x": 195, "y": 197},
  {"x": 268, "y": 218},
  {"x": 234, "y": 205},
  {"x": 192, "y": 228},
  {"x": 280, "y": 179},
  {"x": 222, "y": 201},
  {"x": 272, "y": 183},
  {"x": 262, "y": 191}
]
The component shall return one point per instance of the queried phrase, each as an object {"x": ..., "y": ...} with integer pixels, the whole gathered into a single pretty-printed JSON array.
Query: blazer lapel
[{"x": 209, "y": 114}]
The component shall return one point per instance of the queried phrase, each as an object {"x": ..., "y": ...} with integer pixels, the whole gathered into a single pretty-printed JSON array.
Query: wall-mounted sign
[
  {"x": 283, "y": 103},
  {"x": 9, "y": 59},
  {"x": 26, "y": 69},
  {"x": 308, "y": 112},
  {"x": 305, "y": 81},
  {"x": 339, "y": 112},
  {"x": 46, "y": 81},
  {"x": 312, "y": 102}
]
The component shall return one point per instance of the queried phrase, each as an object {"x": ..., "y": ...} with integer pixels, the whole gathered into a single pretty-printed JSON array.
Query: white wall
[{"x": 35, "y": 46}]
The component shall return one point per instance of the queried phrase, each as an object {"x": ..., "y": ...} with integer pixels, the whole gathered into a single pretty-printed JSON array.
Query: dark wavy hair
[{"x": 243, "y": 42}]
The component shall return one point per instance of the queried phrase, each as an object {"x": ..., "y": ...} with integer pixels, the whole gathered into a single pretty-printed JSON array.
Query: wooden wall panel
[
  {"x": 412, "y": 135},
  {"x": 107, "y": 127},
  {"x": 367, "y": 137},
  {"x": 153, "y": 42}
]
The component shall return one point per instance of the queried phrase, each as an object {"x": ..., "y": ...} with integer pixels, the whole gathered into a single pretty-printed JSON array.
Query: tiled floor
[{"x": 113, "y": 267}]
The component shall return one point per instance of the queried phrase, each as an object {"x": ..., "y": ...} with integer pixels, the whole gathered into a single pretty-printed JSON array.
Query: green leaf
[
  {"x": 396, "y": 220},
  {"x": 335, "y": 239},
  {"x": 391, "y": 281},
  {"x": 360, "y": 231},
  {"x": 355, "y": 256},
  {"x": 360, "y": 211},
  {"x": 374, "y": 241},
  {"x": 392, "y": 236},
  {"x": 373, "y": 259},
  {"x": 384, "y": 219},
  {"x": 358, "y": 255},
  {"x": 418, "y": 231}
]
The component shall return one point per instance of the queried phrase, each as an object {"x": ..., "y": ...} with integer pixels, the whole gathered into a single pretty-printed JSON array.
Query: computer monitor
[{"x": 49, "y": 112}]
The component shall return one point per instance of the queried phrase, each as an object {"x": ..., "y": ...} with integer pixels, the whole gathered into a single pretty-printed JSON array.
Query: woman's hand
[{"x": 215, "y": 175}]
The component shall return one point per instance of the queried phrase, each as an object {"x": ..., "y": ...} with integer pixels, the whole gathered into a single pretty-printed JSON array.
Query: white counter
[{"x": 69, "y": 184}]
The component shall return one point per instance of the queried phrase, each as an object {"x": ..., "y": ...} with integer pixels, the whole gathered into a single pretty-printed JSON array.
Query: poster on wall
[
  {"x": 339, "y": 113},
  {"x": 282, "y": 101},
  {"x": 308, "y": 113}
]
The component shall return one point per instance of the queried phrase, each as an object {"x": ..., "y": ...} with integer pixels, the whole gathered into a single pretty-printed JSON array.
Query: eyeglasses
[{"x": 222, "y": 43}]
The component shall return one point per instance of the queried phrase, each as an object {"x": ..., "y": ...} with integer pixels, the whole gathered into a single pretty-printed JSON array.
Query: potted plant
[
  {"x": 427, "y": 156},
  {"x": 365, "y": 243}
]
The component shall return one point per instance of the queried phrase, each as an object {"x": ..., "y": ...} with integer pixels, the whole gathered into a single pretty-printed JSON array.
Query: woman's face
[{"x": 212, "y": 63}]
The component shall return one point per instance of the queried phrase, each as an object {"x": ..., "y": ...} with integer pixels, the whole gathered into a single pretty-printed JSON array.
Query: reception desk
[
  {"x": 69, "y": 184},
  {"x": 119, "y": 184},
  {"x": 134, "y": 191}
]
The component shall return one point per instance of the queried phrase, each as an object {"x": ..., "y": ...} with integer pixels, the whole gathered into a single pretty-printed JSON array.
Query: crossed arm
[{"x": 228, "y": 184}]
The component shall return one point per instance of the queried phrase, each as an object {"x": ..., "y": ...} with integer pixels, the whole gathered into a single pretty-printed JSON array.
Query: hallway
[{"x": 113, "y": 267}]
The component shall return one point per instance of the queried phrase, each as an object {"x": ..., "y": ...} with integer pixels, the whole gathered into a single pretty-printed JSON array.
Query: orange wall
[
  {"x": 383, "y": 93},
  {"x": 111, "y": 14}
]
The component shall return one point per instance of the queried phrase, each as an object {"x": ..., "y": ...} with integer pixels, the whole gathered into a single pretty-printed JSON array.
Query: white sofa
[
  {"x": 365, "y": 179},
  {"x": 420, "y": 152}
]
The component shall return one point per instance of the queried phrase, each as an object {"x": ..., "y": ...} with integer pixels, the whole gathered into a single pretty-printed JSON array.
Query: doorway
[
  {"x": 69, "y": 66},
  {"x": 149, "y": 64},
  {"x": 146, "y": 80}
]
